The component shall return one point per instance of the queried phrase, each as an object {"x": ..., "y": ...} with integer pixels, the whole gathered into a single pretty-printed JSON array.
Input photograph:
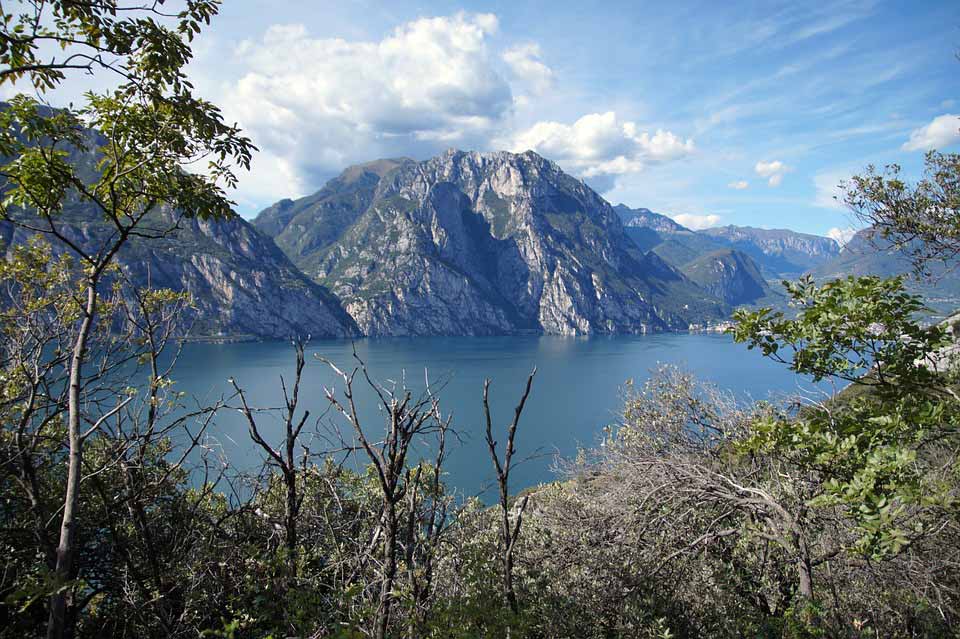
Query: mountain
[
  {"x": 337, "y": 204},
  {"x": 673, "y": 242},
  {"x": 726, "y": 273},
  {"x": 645, "y": 218},
  {"x": 869, "y": 254},
  {"x": 730, "y": 275},
  {"x": 780, "y": 253},
  {"x": 864, "y": 254},
  {"x": 242, "y": 285},
  {"x": 479, "y": 244}
]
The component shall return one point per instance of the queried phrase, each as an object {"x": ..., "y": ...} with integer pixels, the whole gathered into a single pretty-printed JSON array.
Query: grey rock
[{"x": 478, "y": 244}]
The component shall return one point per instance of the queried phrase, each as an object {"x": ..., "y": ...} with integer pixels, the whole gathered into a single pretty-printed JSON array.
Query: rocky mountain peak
[{"x": 469, "y": 242}]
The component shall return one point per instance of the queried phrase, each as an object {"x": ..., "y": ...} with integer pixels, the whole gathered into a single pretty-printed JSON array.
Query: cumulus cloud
[
  {"x": 696, "y": 222},
  {"x": 600, "y": 144},
  {"x": 841, "y": 236},
  {"x": 942, "y": 131},
  {"x": 739, "y": 185},
  {"x": 314, "y": 105},
  {"x": 526, "y": 64},
  {"x": 773, "y": 171}
]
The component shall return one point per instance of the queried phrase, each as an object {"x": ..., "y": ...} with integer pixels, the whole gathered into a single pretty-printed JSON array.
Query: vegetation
[
  {"x": 156, "y": 127},
  {"x": 921, "y": 219},
  {"x": 698, "y": 516}
]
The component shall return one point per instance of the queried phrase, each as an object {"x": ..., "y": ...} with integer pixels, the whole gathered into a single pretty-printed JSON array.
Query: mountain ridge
[
  {"x": 464, "y": 243},
  {"x": 490, "y": 242},
  {"x": 242, "y": 285},
  {"x": 780, "y": 253}
]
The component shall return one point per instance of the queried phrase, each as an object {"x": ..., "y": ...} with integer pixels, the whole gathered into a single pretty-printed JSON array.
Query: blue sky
[{"x": 716, "y": 112}]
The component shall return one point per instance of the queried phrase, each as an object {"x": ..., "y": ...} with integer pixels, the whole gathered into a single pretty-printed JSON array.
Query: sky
[{"x": 714, "y": 113}]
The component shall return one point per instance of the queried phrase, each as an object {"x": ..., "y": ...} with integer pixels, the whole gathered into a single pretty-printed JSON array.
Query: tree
[
  {"x": 886, "y": 450},
  {"x": 922, "y": 220},
  {"x": 408, "y": 418},
  {"x": 129, "y": 468},
  {"x": 509, "y": 530},
  {"x": 153, "y": 128},
  {"x": 285, "y": 458},
  {"x": 127, "y": 39}
]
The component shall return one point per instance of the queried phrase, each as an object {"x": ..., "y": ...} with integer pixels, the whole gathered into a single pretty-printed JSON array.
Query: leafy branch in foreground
[
  {"x": 151, "y": 128},
  {"x": 846, "y": 329},
  {"x": 886, "y": 446},
  {"x": 130, "y": 39},
  {"x": 921, "y": 220}
]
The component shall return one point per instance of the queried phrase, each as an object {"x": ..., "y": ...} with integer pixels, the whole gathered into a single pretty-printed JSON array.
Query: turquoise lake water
[{"x": 578, "y": 389}]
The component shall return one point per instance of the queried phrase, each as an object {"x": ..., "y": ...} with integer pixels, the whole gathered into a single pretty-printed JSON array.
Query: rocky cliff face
[
  {"x": 475, "y": 244},
  {"x": 242, "y": 285},
  {"x": 780, "y": 253},
  {"x": 730, "y": 275}
]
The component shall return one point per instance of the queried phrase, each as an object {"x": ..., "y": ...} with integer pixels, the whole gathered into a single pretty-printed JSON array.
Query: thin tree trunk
[
  {"x": 290, "y": 477},
  {"x": 57, "y": 623},
  {"x": 508, "y": 592},
  {"x": 389, "y": 569},
  {"x": 805, "y": 589}
]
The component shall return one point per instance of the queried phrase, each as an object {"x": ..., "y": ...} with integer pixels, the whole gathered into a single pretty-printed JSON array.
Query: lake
[{"x": 578, "y": 389}]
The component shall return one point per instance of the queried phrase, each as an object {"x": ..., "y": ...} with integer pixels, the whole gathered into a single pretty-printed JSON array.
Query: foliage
[
  {"x": 885, "y": 454},
  {"x": 922, "y": 219},
  {"x": 697, "y": 516},
  {"x": 152, "y": 128},
  {"x": 129, "y": 39},
  {"x": 845, "y": 329}
]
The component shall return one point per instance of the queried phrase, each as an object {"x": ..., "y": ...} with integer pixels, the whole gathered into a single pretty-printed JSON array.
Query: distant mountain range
[
  {"x": 778, "y": 253},
  {"x": 469, "y": 244},
  {"x": 744, "y": 265},
  {"x": 869, "y": 254}
]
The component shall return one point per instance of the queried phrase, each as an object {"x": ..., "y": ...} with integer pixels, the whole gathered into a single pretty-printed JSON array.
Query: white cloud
[
  {"x": 773, "y": 171},
  {"x": 315, "y": 105},
  {"x": 739, "y": 185},
  {"x": 696, "y": 222},
  {"x": 943, "y": 131},
  {"x": 525, "y": 62},
  {"x": 600, "y": 144},
  {"x": 841, "y": 236}
]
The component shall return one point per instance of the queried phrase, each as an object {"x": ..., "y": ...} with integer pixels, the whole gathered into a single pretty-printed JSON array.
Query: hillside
[
  {"x": 474, "y": 244},
  {"x": 724, "y": 272},
  {"x": 242, "y": 285},
  {"x": 781, "y": 253},
  {"x": 866, "y": 254},
  {"x": 730, "y": 275}
]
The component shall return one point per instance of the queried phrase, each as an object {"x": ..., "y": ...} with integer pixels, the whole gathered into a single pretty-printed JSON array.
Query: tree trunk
[
  {"x": 508, "y": 594},
  {"x": 57, "y": 623},
  {"x": 808, "y": 612},
  {"x": 389, "y": 569},
  {"x": 805, "y": 589},
  {"x": 290, "y": 477}
]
